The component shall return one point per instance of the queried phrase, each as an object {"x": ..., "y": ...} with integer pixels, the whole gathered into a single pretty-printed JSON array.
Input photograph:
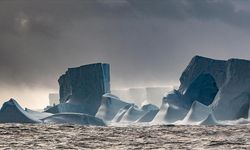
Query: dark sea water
[{"x": 45, "y": 136}]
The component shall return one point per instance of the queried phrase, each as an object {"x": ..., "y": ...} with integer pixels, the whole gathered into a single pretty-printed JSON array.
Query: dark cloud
[{"x": 145, "y": 41}]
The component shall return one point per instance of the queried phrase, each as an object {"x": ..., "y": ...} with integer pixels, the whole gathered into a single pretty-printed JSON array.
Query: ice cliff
[
  {"x": 222, "y": 85},
  {"x": 82, "y": 88}
]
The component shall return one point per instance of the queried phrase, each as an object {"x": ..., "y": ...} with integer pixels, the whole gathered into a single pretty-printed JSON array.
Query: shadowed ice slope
[
  {"x": 74, "y": 118},
  {"x": 132, "y": 114},
  {"x": 38, "y": 115},
  {"x": 150, "y": 112},
  {"x": 210, "y": 120},
  {"x": 12, "y": 112},
  {"x": 169, "y": 114},
  {"x": 199, "y": 114}
]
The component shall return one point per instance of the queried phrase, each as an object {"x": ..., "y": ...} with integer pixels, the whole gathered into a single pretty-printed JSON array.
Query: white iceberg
[
  {"x": 169, "y": 114},
  {"x": 110, "y": 106}
]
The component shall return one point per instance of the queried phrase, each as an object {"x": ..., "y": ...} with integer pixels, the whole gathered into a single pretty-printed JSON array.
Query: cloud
[{"x": 40, "y": 39}]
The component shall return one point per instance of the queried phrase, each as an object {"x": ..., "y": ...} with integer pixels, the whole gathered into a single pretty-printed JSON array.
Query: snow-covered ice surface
[{"x": 46, "y": 136}]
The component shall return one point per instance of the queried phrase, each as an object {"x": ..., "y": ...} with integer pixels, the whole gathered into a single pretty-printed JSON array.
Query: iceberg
[
  {"x": 169, "y": 114},
  {"x": 84, "y": 86},
  {"x": 203, "y": 89},
  {"x": 132, "y": 114},
  {"x": 74, "y": 118},
  {"x": 232, "y": 78},
  {"x": 12, "y": 112},
  {"x": 128, "y": 114},
  {"x": 110, "y": 106},
  {"x": 149, "y": 107},
  {"x": 38, "y": 115},
  {"x": 150, "y": 112},
  {"x": 121, "y": 113},
  {"x": 197, "y": 113}
]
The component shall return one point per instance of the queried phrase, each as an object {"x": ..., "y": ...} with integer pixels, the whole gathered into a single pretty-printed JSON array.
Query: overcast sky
[{"x": 147, "y": 42}]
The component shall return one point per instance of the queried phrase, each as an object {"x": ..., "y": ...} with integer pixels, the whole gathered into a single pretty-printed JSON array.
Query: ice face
[
  {"x": 132, "y": 114},
  {"x": 84, "y": 86},
  {"x": 121, "y": 113},
  {"x": 169, "y": 114},
  {"x": 232, "y": 100},
  {"x": 150, "y": 112},
  {"x": 210, "y": 120},
  {"x": 149, "y": 107},
  {"x": 197, "y": 113},
  {"x": 110, "y": 106},
  {"x": 202, "y": 65},
  {"x": 232, "y": 78},
  {"x": 203, "y": 89}
]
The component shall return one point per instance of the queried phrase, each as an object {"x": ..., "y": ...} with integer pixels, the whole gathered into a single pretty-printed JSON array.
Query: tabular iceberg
[
  {"x": 83, "y": 87},
  {"x": 223, "y": 85}
]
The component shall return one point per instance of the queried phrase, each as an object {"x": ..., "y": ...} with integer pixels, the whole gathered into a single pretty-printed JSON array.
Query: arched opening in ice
[{"x": 203, "y": 89}]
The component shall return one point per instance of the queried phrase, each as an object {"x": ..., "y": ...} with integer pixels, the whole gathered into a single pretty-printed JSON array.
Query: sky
[{"x": 146, "y": 42}]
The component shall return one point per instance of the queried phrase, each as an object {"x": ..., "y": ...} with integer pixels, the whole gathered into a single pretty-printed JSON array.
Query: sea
[{"x": 176, "y": 137}]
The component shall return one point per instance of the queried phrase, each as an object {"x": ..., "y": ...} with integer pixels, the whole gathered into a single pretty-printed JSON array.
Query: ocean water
[{"x": 46, "y": 136}]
